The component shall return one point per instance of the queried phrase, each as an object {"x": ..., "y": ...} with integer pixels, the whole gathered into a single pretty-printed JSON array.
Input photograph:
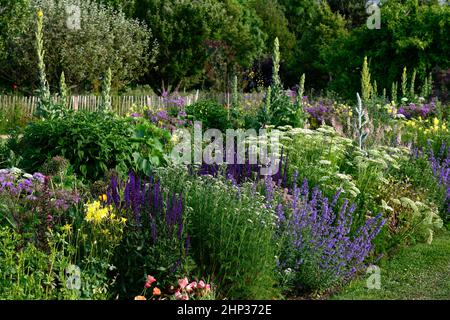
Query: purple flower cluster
[
  {"x": 418, "y": 110},
  {"x": 26, "y": 195},
  {"x": 147, "y": 205},
  {"x": 30, "y": 187},
  {"x": 14, "y": 185},
  {"x": 164, "y": 120},
  {"x": 440, "y": 164},
  {"x": 239, "y": 173},
  {"x": 173, "y": 100},
  {"x": 320, "y": 240},
  {"x": 320, "y": 110}
]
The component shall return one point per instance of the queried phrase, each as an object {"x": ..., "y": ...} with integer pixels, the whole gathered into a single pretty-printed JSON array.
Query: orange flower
[
  {"x": 139, "y": 298},
  {"x": 156, "y": 291}
]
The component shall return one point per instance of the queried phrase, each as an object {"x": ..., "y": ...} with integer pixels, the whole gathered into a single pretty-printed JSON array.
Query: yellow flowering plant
[
  {"x": 422, "y": 132},
  {"x": 102, "y": 229}
]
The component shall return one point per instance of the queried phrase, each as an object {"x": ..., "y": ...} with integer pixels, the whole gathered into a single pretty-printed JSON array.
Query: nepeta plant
[
  {"x": 320, "y": 248},
  {"x": 440, "y": 164}
]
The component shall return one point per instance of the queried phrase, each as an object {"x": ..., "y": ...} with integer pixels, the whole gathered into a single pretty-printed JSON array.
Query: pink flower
[
  {"x": 183, "y": 283},
  {"x": 150, "y": 279},
  {"x": 148, "y": 284},
  {"x": 189, "y": 288},
  {"x": 193, "y": 284},
  {"x": 208, "y": 287},
  {"x": 201, "y": 285},
  {"x": 178, "y": 295},
  {"x": 185, "y": 297}
]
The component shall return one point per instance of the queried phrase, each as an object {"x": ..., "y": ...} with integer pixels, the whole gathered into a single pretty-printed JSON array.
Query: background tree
[
  {"x": 190, "y": 32},
  {"x": 106, "y": 39},
  {"x": 354, "y": 11},
  {"x": 412, "y": 34}
]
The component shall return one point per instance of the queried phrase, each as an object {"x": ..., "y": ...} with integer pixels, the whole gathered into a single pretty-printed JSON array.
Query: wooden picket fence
[{"x": 122, "y": 104}]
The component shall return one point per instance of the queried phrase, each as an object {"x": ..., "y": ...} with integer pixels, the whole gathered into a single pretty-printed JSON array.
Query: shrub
[
  {"x": 212, "y": 115},
  {"x": 109, "y": 40},
  {"x": 93, "y": 143}
]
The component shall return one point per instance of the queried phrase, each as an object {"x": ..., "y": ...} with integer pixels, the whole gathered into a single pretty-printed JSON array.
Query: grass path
[{"x": 420, "y": 272}]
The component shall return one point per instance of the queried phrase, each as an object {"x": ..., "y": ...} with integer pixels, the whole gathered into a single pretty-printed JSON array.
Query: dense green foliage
[
  {"x": 211, "y": 114},
  {"x": 203, "y": 44},
  {"x": 92, "y": 142},
  {"x": 191, "y": 34},
  {"x": 105, "y": 39}
]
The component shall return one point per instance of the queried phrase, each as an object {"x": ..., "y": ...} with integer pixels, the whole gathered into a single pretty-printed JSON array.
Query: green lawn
[{"x": 420, "y": 272}]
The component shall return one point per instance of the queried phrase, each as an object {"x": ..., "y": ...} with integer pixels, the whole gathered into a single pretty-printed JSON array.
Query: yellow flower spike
[{"x": 40, "y": 14}]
